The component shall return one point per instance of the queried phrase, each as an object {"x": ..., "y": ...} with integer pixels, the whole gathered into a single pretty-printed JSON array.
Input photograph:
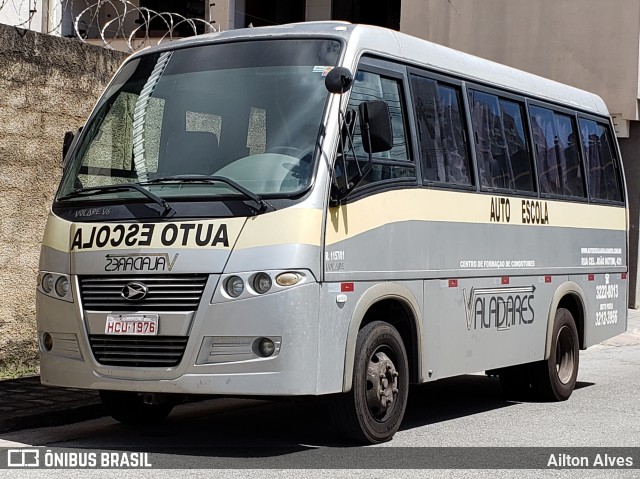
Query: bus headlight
[
  {"x": 234, "y": 286},
  {"x": 254, "y": 284},
  {"x": 262, "y": 283},
  {"x": 62, "y": 286},
  {"x": 55, "y": 285},
  {"x": 47, "y": 283}
]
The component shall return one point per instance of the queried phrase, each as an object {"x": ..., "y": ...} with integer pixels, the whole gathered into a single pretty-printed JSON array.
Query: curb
[{"x": 25, "y": 403}]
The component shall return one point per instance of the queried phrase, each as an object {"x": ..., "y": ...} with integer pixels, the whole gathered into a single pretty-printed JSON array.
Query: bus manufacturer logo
[
  {"x": 134, "y": 291},
  {"x": 140, "y": 262}
]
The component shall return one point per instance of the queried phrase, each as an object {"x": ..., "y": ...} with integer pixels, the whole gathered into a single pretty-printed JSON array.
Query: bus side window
[
  {"x": 604, "y": 179},
  {"x": 388, "y": 165},
  {"x": 557, "y": 153},
  {"x": 504, "y": 160},
  {"x": 443, "y": 149}
]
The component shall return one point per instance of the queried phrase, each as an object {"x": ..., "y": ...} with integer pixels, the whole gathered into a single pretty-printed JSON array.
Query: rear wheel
[
  {"x": 555, "y": 378},
  {"x": 134, "y": 408},
  {"x": 373, "y": 410}
]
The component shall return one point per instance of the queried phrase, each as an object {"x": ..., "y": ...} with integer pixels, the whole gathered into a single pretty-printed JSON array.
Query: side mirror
[
  {"x": 66, "y": 143},
  {"x": 338, "y": 80},
  {"x": 375, "y": 126},
  {"x": 70, "y": 137}
]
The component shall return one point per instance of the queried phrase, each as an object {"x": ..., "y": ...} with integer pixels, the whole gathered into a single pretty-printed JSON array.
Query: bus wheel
[
  {"x": 373, "y": 410},
  {"x": 131, "y": 408},
  {"x": 555, "y": 378}
]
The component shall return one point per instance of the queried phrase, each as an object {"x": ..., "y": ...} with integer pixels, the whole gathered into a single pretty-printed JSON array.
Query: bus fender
[
  {"x": 376, "y": 293},
  {"x": 567, "y": 288}
]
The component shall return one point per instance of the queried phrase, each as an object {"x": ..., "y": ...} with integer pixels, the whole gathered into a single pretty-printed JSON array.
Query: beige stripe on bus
[
  {"x": 286, "y": 226},
  {"x": 461, "y": 207}
]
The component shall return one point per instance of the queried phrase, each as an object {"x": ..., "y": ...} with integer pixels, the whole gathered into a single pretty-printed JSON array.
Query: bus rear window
[{"x": 603, "y": 174}]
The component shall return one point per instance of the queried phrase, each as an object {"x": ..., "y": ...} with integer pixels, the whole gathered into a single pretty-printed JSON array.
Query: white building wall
[
  {"x": 223, "y": 15},
  {"x": 17, "y": 13}
]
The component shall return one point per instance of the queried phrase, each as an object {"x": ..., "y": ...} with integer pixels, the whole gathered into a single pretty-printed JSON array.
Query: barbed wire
[{"x": 106, "y": 21}]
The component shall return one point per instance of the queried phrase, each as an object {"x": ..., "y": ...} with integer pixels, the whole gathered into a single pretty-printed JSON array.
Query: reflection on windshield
[{"x": 249, "y": 111}]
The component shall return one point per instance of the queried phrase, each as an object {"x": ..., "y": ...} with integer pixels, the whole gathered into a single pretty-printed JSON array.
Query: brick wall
[{"x": 48, "y": 85}]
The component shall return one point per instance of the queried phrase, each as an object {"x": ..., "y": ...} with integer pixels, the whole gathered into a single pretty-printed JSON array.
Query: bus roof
[{"x": 391, "y": 44}]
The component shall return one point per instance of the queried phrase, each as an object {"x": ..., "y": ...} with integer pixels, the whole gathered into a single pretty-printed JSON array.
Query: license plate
[{"x": 132, "y": 324}]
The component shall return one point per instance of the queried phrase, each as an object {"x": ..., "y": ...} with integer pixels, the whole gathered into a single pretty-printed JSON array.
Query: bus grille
[
  {"x": 165, "y": 293},
  {"x": 159, "y": 351}
]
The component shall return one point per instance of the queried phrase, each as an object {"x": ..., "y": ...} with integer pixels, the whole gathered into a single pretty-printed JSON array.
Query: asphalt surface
[{"x": 26, "y": 404}]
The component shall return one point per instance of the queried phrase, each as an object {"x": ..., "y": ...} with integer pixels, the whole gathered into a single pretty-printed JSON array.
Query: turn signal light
[{"x": 287, "y": 279}]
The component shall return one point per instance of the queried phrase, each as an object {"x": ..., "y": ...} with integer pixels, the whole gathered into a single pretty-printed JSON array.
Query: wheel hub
[
  {"x": 565, "y": 355},
  {"x": 382, "y": 384}
]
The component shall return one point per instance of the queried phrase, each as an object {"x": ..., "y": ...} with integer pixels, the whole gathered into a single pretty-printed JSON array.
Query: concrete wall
[
  {"x": 47, "y": 85},
  {"x": 630, "y": 151}
]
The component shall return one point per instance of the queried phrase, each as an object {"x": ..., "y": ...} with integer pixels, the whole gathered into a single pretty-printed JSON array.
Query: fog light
[
  {"x": 287, "y": 279},
  {"x": 234, "y": 286},
  {"x": 266, "y": 347},
  {"x": 262, "y": 283},
  {"x": 47, "y": 283},
  {"x": 62, "y": 286},
  {"x": 47, "y": 342}
]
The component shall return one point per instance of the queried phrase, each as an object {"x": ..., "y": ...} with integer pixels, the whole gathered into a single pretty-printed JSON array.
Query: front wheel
[
  {"x": 555, "y": 378},
  {"x": 131, "y": 408},
  {"x": 373, "y": 410}
]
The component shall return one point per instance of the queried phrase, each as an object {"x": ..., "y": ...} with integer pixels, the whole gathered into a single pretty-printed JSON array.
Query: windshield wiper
[
  {"x": 90, "y": 190},
  {"x": 213, "y": 179}
]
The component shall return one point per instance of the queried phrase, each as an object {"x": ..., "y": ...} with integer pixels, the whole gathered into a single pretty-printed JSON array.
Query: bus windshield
[{"x": 249, "y": 112}]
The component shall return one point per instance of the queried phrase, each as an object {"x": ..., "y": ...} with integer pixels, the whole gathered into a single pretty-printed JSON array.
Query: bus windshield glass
[{"x": 249, "y": 112}]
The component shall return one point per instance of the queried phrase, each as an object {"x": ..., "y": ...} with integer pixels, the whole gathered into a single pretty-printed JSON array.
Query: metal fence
[{"x": 103, "y": 21}]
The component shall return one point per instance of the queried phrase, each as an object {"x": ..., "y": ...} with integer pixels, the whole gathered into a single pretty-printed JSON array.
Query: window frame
[
  {"x": 522, "y": 101},
  {"x": 401, "y": 69},
  {"x": 464, "y": 116},
  {"x": 575, "y": 115},
  {"x": 391, "y": 69},
  {"x": 617, "y": 159}
]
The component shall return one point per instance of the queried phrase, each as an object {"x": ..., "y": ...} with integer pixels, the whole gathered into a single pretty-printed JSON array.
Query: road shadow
[
  {"x": 583, "y": 384},
  {"x": 453, "y": 398},
  {"x": 273, "y": 428},
  {"x": 223, "y": 432}
]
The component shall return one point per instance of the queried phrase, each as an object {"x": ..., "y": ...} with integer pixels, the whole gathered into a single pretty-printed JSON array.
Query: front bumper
[{"x": 292, "y": 315}]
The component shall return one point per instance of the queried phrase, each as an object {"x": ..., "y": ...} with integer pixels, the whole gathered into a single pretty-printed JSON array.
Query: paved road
[{"x": 468, "y": 411}]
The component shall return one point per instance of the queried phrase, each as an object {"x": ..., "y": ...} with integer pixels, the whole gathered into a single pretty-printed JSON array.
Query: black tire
[
  {"x": 555, "y": 378},
  {"x": 129, "y": 407},
  {"x": 372, "y": 411}
]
